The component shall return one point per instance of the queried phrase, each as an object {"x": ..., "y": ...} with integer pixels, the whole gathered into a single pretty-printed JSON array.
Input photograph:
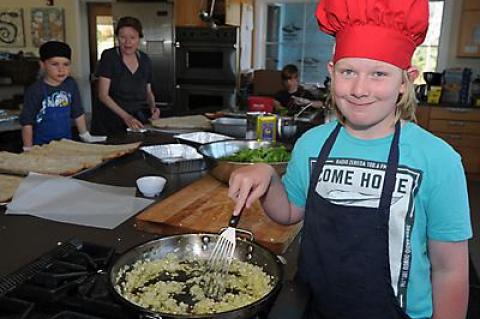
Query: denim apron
[
  {"x": 344, "y": 256},
  {"x": 54, "y": 121}
]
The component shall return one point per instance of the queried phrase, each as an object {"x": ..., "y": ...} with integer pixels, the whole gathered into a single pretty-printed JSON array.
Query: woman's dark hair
[
  {"x": 129, "y": 22},
  {"x": 289, "y": 71}
]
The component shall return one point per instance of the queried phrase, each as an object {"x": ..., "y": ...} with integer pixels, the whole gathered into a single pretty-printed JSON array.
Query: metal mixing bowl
[{"x": 221, "y": 169}]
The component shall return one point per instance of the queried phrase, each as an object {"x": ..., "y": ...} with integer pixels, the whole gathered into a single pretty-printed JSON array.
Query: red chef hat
[{"x": 384, "y": 30}]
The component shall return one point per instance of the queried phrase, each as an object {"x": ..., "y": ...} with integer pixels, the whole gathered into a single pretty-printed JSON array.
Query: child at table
[
  {"x": 52, "y": 101},
  {"x": 384, "y": 202}
]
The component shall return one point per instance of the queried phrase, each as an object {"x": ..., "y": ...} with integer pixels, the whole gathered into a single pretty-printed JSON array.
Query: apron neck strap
[
  {"x": 323, "y": 155},
  {"x": 391, "y": 172}
]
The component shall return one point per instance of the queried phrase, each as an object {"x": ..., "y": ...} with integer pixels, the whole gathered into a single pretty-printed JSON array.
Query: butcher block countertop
[{"x": 204, "y": 207}]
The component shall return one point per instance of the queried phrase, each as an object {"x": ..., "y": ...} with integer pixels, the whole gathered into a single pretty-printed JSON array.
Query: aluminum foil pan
[
  {"x": 7, "y": 118},
  {"x": 230, "y": 126},
  {"x": 200, "y": 138},
  {"x": 174, "y": 158}
]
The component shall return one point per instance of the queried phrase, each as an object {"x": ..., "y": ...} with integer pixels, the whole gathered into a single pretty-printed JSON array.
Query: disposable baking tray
[
  {"x": 174, "y": 158},
  {"x": 200, "y": 138},
  {"x": 236, "y": 127},
  {"x": 6, "y": 117}
]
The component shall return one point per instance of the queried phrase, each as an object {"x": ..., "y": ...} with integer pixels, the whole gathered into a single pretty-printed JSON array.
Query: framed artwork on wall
[
  {"x": 47, "y": 24},
  {"x": 11, "y": 28}
]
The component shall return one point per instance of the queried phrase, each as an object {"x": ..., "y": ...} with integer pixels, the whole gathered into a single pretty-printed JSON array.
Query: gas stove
[{"x": 69, "y": 282}]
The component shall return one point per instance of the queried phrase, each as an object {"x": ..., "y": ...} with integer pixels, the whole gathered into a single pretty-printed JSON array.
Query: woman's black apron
[
  {"x": 344, "y": 257},
  {"x": 129, "y": 91}
]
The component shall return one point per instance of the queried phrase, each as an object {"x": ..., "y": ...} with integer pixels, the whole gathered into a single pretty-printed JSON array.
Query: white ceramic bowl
[{"x": 151, "y": 186}]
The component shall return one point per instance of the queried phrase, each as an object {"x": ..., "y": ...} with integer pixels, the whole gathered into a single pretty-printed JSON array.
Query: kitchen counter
[
  {"x": 11, "y": 125},
  {"x": 17, "y": 248},
  {"x": 448, "y": 105},
  {"x": 25, "y": 238}
]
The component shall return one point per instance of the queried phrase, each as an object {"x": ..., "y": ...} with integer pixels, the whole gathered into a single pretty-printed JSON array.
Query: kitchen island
[{"x": 25, "y": 238}]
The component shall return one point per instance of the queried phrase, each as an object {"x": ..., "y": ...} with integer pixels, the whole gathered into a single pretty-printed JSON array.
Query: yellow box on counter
[
  {"x": 267, "y": 128},
  {"x": 433, "y": 96}
]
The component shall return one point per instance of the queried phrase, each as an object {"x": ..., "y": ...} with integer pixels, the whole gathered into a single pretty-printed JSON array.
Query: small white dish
[{"x": 151, "y": 186}]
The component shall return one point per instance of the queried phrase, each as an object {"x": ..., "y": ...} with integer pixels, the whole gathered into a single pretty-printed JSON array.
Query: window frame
[{"x": 261, "y": 25}]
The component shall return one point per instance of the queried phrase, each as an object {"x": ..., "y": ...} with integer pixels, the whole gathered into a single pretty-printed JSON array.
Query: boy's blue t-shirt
[
  {"x": 430, "y": 200},
  {"x": 66, "y": 94}
]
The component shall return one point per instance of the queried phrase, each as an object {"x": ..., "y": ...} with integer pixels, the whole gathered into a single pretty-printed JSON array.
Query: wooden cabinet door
[
  {"x": 233, "y": 12},
  {"x": 227, "y": 11},
  {"x": 455, "y": 114},
  {"x": 187, "y": 11},
  {"x": 423, "y": 115},
  {"x": 471, "y": 5}
]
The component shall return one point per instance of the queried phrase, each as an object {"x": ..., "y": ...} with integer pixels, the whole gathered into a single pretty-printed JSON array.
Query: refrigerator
[{"x": 158, "y": 29}]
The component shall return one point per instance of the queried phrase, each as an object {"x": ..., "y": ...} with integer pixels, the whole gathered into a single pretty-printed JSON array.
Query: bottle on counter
[
  {"x": 261, "y": 126},
  {"x": 267, "y": 128}
]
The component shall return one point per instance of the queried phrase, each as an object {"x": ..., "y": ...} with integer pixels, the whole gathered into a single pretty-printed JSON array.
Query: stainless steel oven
[
  {"x": 205, "y": 55},
  {"x": 196, "y": 99}
]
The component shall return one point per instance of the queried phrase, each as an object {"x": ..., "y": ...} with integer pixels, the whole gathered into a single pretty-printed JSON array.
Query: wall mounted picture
[
  {"x": 47, "y": 25},
  {"x": 11, "y": 28},
  {"x": 469, "y": 34}
]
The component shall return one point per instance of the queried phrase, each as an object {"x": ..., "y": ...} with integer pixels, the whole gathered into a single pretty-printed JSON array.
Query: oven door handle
[{"x": 204, "y": 45}]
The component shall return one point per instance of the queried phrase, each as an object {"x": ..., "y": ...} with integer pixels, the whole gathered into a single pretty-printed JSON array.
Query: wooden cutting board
[{"x": 204, "y": 206}]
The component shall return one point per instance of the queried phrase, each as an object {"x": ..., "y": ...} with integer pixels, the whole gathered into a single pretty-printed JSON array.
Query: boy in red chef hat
[{"x": 384, "y": 202}]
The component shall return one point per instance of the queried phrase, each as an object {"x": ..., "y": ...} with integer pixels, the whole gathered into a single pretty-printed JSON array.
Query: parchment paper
[{"x": 74, "y": 201}]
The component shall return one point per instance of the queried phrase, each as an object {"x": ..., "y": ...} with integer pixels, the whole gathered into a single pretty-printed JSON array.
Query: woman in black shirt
[{"x": 125, "y": 94}]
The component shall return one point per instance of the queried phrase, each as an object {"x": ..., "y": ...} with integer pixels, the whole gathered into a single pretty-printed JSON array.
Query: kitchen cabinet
[
  {"x": 186, "y": 13},
  {"x": 460, "y": 127},
  {"x": 20, "y": 71},
  {"x": 422, "y": 114},
  {"x": 469, "y": 32},
  {"x": 471, "y": 5},
  {"x": 225, "y": 12}
]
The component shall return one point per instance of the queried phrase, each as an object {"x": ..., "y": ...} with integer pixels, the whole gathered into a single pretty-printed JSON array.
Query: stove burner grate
[
  {"x": 71, "y": 281},
  {"x": 14, "y": 280}
]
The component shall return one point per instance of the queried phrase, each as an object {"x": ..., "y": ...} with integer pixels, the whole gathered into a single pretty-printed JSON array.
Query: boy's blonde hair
[{"x": 406, "y": 103}]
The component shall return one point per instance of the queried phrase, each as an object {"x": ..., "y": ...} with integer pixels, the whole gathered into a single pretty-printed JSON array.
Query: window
[
  {"x": 293, "y": 37},
  {"x": 426, "y": 55},
  {"x": 105, "y": 36}
]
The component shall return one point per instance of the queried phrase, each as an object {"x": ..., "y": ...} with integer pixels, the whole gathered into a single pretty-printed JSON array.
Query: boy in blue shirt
[
  {"x": 53, "y": 100},
  {"x": 384, "y": 203}
]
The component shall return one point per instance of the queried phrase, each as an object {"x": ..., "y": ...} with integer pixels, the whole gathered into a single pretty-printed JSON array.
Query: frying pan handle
[{"x": 235, "y": 219}]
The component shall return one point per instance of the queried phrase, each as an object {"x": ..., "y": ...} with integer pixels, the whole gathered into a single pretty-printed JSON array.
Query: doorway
[{"x": 100, "y": 37}]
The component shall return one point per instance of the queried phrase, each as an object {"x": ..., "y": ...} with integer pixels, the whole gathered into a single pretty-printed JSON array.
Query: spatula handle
[{"x": 235, "y": 219}]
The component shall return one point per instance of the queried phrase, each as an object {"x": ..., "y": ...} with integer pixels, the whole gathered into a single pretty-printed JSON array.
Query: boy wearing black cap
[{"x": 53, "y": 100}]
